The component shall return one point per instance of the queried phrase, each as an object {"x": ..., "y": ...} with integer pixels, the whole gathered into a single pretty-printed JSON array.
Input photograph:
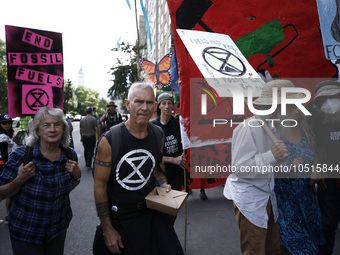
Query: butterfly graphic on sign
[{"x": 158, "y": 73}]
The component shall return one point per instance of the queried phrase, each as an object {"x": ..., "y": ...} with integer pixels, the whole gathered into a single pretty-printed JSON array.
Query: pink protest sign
[
  {"x": 34, "y": 97},
  {"x": 37, "y": 40},
  {"x": 34, "y": 61},
  {"x": 26, "y": 74}
]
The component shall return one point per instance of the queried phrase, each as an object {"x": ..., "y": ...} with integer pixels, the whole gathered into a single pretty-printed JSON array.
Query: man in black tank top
[{"x": 121, "y": 185}]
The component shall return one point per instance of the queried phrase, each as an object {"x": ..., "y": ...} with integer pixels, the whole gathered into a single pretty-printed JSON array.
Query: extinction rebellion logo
[
  {"x": 239, "y": 99},
  {"x": 227, "y": 63}
]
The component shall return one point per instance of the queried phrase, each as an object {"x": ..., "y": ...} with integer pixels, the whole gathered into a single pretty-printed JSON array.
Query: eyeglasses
[{"x": 7, "y": 122}]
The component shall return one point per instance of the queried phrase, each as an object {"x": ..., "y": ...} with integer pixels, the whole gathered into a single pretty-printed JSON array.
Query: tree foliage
[
  {"x": 102, "y": 106},
  {"x": 70, "y": 101},
  {"x": 124, "y": 72},
  {"x": 3, "y": 79},
  {"x": 76, "y": 100},
  {"x": 86, "y": 97}
]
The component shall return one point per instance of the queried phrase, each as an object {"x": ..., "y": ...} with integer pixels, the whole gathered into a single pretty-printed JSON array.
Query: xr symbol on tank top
[{"x": 137, "y": 165}]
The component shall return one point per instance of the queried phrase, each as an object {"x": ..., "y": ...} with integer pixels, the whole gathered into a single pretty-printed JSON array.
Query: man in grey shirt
[{"x": 89, "y": 127}]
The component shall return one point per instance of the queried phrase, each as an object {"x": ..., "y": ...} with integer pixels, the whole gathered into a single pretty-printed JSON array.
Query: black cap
[{"x": 5, "y": 117}]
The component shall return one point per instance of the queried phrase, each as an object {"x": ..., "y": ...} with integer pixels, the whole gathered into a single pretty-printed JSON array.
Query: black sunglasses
[{"x": 6, "y": 122}]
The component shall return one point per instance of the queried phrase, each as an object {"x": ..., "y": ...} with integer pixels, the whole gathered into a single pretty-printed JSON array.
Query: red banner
[{"x": 281, "y": 38}]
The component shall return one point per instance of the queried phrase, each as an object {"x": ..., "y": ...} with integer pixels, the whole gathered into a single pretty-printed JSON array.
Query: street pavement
[{"x": 211, "y": 225}]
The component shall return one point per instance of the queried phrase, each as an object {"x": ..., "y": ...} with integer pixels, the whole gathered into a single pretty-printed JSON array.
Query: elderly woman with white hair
[{"x": 40, "y": 210}]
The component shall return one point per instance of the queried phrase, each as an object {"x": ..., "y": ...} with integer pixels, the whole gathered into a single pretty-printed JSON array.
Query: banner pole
[
  {"x": 269, "y": 132},
  {"x": 185, "y": 209}
]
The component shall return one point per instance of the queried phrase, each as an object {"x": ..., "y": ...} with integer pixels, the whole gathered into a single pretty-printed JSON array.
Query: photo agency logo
[{"x": 241, "y": 91}]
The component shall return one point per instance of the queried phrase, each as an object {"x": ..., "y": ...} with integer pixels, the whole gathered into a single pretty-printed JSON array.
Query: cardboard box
[{"x": 170, "y": 203}]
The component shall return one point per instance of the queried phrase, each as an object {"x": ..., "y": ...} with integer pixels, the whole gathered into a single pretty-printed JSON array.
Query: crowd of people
[
  {"x": 275, "y": 214},
  {"x": 288, "y": 214}
]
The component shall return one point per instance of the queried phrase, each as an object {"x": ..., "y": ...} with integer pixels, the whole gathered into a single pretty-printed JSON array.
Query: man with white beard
[{"x": 326, "y": 125}]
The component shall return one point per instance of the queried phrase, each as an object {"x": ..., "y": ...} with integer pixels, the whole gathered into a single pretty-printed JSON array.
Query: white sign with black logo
[{"x": 221, "y": 63}]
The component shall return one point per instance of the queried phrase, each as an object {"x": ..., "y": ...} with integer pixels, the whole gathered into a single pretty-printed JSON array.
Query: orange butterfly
[{"x": 159, "y": 73}]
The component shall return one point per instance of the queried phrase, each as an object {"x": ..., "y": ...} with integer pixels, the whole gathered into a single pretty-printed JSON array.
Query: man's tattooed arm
[
  {"x": 160, "y": 176},
  {"x": 100, "y": 162},
  {"x": 103, "y": 210}
]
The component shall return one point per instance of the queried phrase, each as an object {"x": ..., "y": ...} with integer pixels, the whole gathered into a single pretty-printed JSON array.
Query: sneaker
[
  {"x": 1, "y": 221},
  {"x": 88, "y": 168},
  {"x": 203, "y": 196}
]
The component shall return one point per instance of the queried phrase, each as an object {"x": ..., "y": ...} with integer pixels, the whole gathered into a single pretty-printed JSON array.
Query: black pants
[
  {"x": 143, "y": 232},
  {"x": 329, "y": 201},
  {"x": 89, "y": 142},
  {"x": 55, "y": 247}
]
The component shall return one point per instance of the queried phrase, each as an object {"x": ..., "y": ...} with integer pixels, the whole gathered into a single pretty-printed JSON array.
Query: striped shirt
[{"x": 41, "y": 210}]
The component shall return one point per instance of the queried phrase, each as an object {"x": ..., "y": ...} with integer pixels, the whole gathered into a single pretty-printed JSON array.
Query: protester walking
[
  {"x": 111, "y": 117},
  {"x": 89, "y": 128},
  {"x": 122, "y": 183},
  {"x": 40, "y": 210},
  {"x": 6, "y": 144},
  {"x": 299, "y": 212},
  {"x": 326, "y": 125},
  {"x": 253, "y": 192}
]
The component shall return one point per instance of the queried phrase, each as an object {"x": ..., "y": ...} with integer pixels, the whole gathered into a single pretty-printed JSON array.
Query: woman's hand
[
  {"x": 296, "y": 162},
  {"x": 73, "y": 169},
  {"x": 25, "y": 172}
]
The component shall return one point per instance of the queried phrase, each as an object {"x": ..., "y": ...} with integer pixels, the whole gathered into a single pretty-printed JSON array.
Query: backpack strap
[
  {"x": 28, "y": 155},
  {"x": 115, "y": 131},
  {"x": 107, "y": 122},
  {"x": 68, "y": 153},
  {"x": 158, "y": 133}
]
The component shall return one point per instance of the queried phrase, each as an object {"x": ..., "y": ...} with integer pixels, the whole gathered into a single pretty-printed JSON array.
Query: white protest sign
[
  {"x": 221, "y": 63},
  {"x": 330, "y": 27}
]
